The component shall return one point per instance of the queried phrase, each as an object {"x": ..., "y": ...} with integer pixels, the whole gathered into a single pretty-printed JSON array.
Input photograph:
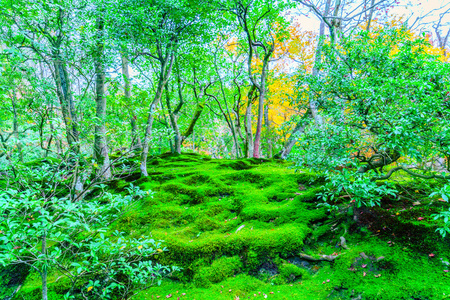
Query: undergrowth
[{"x": 237, "y": 229}]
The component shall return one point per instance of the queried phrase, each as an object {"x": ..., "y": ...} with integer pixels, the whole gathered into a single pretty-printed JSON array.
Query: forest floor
[{"x": 251, "y": 229}]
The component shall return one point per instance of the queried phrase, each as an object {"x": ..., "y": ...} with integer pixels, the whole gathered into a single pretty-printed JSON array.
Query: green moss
[
  {"x": 195, "y": 196},
  {"x": 11, "y": 277},
  {"x": 236, "y": 165},
  {"x": 219, "y": 270},
  {"x": 37, "y": 162},
  {"x": 227, "y": 222},
  {"x": 290, "y": 273}
]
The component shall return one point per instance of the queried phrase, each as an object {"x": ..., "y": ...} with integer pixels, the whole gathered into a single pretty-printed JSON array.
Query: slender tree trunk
[
  {"x": 44, "y": 269},
  {"x": 298, "y": 130},
  {"x": 370, "y": 15},
  {"x": 148, "y": 133},
  {"x": 198, "y": 111},
  {"x": 237, "y": 126},
  {"x": 135, "y": 139},
  {"x": 65, "y": 97},
  {"x": 248, "y": 123},
  {"x": 16, "y": 125},
  {"x": 313, "y": 105},
  {"x": 149, "y": 128},
  {"x": 173, "y": 117},
  {"x": 268, "y": 132},
  {"x": 257, "y": 143},
  {"x": 166, "y": 64},
  {"x": 100, "y": 145},
  {"x": 262, "y": 96}
]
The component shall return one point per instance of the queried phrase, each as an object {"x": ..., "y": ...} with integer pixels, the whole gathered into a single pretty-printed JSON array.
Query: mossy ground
[{"x": 236, "y": 228}]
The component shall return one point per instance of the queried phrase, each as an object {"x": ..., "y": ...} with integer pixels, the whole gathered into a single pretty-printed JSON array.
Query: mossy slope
[{"x": 237, "y": 228}]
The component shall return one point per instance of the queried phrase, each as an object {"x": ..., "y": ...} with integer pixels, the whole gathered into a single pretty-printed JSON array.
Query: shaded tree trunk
[
  {"x": 44, "y": 269},
  {"x": 268, "y": 132},
  {"x": 16, "y": 125},
  {"x": 65, "y": 96},
  {"x": 369, "y": 21},
  {"x": 248, "y": 122},
  {"x": 298, "y": 130},
  {"x": 173, "y": 118},
  {"x": 100, "y": 145},
  {"x": 313, "y": 105},
  {"x": 166, "y": 64},
  {"x": 135, "y": 139}
]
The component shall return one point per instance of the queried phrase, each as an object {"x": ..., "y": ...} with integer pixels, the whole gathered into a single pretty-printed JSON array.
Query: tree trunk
[
  {"x": 248, "y": 123},
  {"x": 135, "y": 139},
  {"x": 44, "y": 269},
  {"x": 149, "y": 127},
  {"x": 237, "y": 126},
  {"x": 370, "y": 15},
  {"x": 100, "y": 145},
  {"x": 257, "y": 143},
  {"x": 313, "y": 105},
  {"x": 148, "y": 132},
  {"x": 173, "y": 117},
  {"x": 268, "y": 132},
  {"x": 65, "y": 97},
  {"x": 262, "y": 96},
  {"x": 195, "y": 117},
  {"x": 298, "y": 129},
  {"x": 16, "y": 126}
]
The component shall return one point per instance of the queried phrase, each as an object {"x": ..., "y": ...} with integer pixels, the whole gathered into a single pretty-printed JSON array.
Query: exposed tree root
[{"x": 320, "y": 258}]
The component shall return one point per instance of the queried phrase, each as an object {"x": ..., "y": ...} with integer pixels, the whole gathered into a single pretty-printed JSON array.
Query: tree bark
[
  {"x": 173, "y": 118},
  {"x": 16, "y": 125},
  {"x": 370, "y": 15},
  {"x": 44, "y": 269},
  {"x": 164, "y": 74},
  {"x": 248, "y": 123},
  {"x": 313, "y": 105},
  {"x": 65, "y": 96},
  {"x": 100, "y": 145},
  {"x": 268, "y": 132},
  {"x": 135, "y": 139},
  {"x": 298, "y": 129},
  {"x": 262, "y": 96}
]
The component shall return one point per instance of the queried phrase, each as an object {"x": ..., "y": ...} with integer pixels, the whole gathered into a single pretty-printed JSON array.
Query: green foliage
[
  {"x": 392, "y": 96},
  {"x": 361, "y": 189},
  {"x": 49, "y": 233}
]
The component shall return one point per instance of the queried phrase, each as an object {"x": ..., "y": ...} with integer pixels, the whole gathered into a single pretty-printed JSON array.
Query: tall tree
[
  {"x": 100, "y": 144},
  {"x": 42, "y": 31},
  {"x": 259, "y": 21}
]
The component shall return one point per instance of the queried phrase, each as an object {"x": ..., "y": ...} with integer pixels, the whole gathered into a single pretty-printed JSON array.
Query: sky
[{"x": 426, "y": 10}]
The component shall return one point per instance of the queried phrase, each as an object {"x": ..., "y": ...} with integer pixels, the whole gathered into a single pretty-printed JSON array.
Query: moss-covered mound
[
  {"x": 207, "y": 210},
  {"x": 251, "y": 228}
]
